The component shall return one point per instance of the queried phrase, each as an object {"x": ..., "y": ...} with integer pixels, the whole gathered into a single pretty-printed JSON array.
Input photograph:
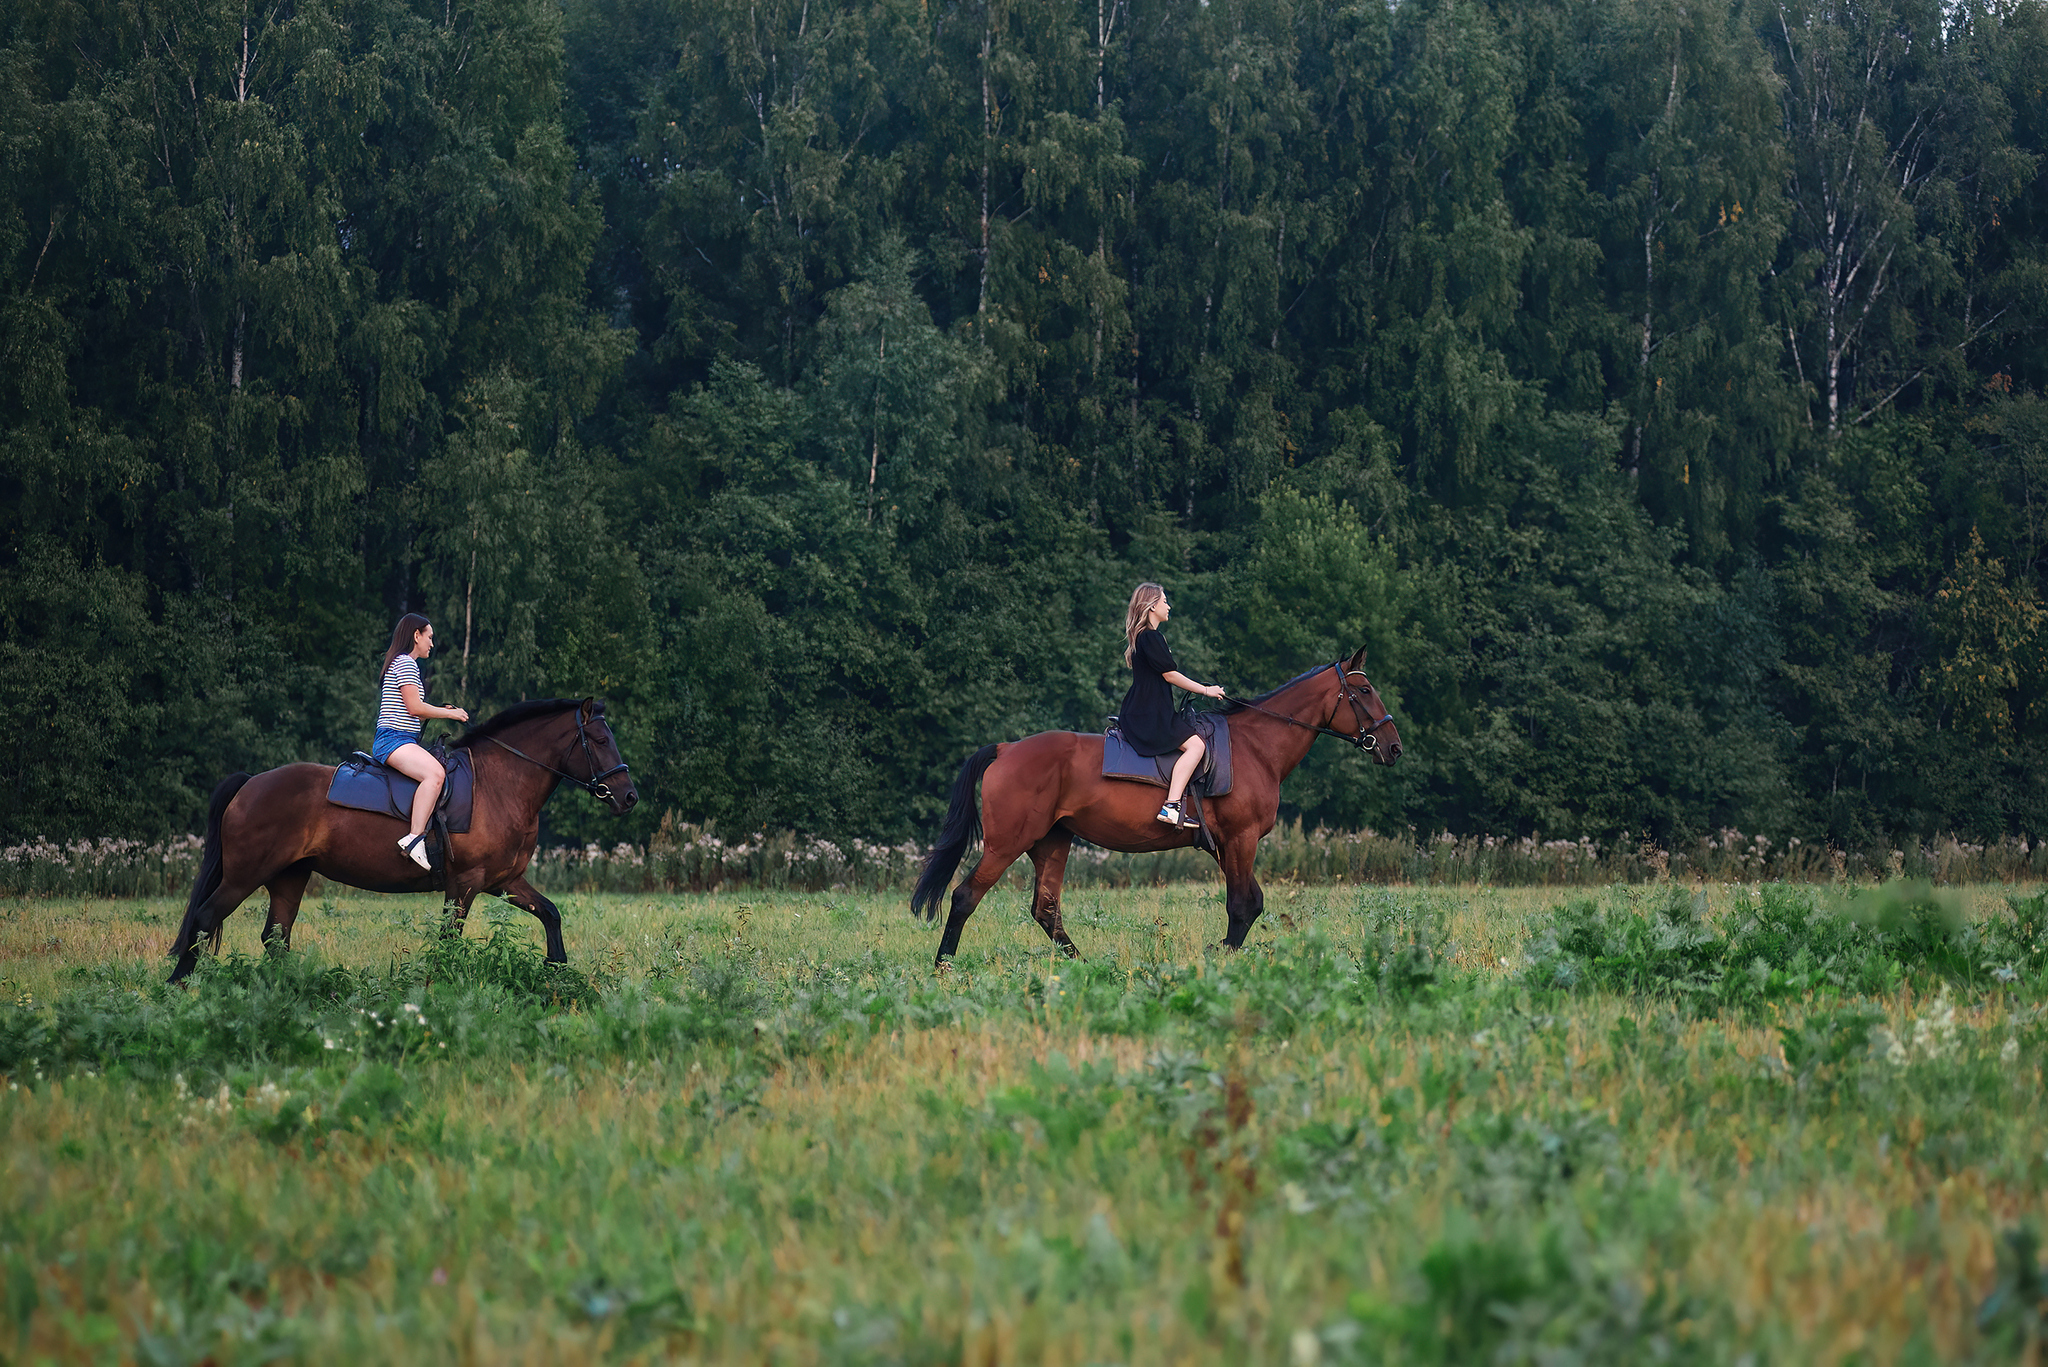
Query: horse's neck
[
  {"x": 512, "y": 774},
  {"x": 1308, "y": 702}
]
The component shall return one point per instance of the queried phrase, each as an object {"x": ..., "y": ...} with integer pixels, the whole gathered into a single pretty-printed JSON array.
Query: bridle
[
  {"x": 595, "y": 785},
  {"x": 1366, "y": 737}
]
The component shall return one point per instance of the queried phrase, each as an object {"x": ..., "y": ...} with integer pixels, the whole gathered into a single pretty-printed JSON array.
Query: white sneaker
[{"x": 415, "y": 849}]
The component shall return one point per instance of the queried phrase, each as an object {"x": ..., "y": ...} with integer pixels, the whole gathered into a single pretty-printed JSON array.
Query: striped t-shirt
[{"x": 391, "y": 713}]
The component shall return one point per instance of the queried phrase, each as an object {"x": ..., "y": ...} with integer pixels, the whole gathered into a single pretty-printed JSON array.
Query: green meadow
[{"x": 1646, "y": 1123}]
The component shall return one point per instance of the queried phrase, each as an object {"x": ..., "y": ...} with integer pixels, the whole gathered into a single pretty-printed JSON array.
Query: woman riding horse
[
  {"x": 402, "y": 710},
  {"x": 1038, "y": 793},
  {"x": 277, "y": 829},
  {"x": 1149, "y": 723}
]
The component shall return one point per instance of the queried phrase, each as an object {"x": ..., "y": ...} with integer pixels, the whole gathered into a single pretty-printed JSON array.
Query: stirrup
[
  {"x": 1169, "y": 814},
  {"x": 414, "y": 847}
]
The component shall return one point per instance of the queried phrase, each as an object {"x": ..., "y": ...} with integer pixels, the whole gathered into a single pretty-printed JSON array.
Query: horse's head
[
  {"x": 593, "y": 759},
  {"x": 1377, "y": 735},
  {"x": 574, "y": 741}
]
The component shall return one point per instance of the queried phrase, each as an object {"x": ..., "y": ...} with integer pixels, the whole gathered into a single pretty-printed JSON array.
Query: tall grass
[
  {"x": 772, "y": 1135},
  {"x": 99, "y": 868},
  {"x": 684, "y": 857}
]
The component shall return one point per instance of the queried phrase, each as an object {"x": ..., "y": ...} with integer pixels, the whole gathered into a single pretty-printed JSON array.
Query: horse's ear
[
  {"x": 595, "y": 707},
  {"x": 1356, "y": 661}
]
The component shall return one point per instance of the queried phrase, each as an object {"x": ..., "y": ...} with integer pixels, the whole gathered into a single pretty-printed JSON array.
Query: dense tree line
[{"x": 1653, "y": 387}]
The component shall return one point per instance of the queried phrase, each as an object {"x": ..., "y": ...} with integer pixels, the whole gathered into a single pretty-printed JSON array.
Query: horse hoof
[{"x": 942, "y": 967}]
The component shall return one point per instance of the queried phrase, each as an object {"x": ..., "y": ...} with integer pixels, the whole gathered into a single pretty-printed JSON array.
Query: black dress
[{"x": 1149, "y": 723}]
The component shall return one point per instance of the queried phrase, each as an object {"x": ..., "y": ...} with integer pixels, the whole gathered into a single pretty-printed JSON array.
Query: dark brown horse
[
  {"x": 277, "y": 829},
  {"x": 1038, "y": 793}
]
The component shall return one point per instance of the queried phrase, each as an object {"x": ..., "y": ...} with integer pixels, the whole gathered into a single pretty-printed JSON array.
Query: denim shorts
[{"x": 388, "y": 739}]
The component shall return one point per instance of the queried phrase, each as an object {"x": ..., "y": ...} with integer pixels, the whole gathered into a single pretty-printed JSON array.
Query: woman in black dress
[{"x": 1149, "y": 721}]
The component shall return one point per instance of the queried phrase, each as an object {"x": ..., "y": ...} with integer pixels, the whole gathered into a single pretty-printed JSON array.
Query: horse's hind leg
[
  {"x": 286, "y": 890},
  {"x": 204, "y": 922},
  {"x": 995, "y": 861},
  {"x": 1049, "y": 859}
]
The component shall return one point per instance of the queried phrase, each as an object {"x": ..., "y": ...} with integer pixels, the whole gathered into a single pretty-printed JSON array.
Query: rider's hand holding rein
[
  {"x": 1183, "y": 682},
  {"x": 419, "y": 707},
  {"x": 1155, "y": 617}
]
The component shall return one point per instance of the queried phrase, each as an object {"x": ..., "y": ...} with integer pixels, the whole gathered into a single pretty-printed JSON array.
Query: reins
[
  {"x": 595, "y": 785},
  {"x": 1364, "y": 738}
]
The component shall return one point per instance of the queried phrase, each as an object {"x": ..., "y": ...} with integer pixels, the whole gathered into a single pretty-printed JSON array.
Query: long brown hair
[
  {"x": 1142, "y": 599},
  {"x": 408, "y": 627}
]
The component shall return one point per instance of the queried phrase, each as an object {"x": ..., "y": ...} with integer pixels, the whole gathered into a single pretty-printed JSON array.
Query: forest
[{"x": 1654, "y": 387}]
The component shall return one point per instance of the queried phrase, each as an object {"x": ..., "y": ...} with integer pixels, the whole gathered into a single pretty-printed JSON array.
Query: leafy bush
[
  {"x": 1494, "y": 1299},
  {"x": 1785, "y": 944}
]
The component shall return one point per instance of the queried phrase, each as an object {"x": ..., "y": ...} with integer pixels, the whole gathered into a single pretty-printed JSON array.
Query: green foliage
[
  {"x": 1472, "y": 1168},
  {"x": 1787, "y": 943},
  {"x": 814, "y": 380}
]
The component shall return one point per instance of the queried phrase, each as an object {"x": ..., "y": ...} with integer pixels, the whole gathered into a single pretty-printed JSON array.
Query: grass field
[{"x": 1741, "y": 1123}]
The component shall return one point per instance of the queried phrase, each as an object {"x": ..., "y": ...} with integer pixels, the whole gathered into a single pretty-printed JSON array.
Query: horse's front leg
[
  {"x": 522, "y": 894},
  {"x": 1243, "y": 899},
  {"x": 455, "y": 904}
]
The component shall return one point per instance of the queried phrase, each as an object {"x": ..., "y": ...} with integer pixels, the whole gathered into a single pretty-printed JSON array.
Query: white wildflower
[{"x": 1934, "y": 1034}]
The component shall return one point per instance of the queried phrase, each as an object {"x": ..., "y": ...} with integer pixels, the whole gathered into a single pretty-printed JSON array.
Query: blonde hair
[{"x": 1136, "y": 617}]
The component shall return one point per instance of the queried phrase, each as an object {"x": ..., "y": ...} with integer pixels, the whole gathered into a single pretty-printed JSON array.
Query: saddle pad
[
  {"x": 1119, "y": 760},
  {"x": 364, "y": 785}
]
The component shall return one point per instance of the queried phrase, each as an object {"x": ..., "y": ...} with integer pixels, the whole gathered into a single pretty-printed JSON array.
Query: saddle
[
  {"x": 364, "y": 785},
  {"x": 1212, "y": 777}
]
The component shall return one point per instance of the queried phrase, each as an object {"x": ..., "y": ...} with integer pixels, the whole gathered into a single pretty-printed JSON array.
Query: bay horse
[
  {"x": 276, "y": 830},
  {"x": 1038, "y": 793}
]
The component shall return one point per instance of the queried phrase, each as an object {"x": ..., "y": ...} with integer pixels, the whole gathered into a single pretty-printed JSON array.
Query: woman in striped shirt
[{"x": 400, "y": 714}]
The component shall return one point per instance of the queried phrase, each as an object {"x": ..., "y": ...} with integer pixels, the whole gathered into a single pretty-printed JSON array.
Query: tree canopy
[{"x": 1655, "y": 389}]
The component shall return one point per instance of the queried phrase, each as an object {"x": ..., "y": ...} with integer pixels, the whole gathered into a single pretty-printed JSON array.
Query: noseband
[
  {"x": 595, "y": 785},
  {"x": 1367, "y": 736}
]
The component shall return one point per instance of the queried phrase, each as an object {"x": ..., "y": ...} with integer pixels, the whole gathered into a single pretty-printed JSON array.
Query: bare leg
[
  {"x": 415, "y": 763},
  {"x": 286, "y": 890},
  {"x": 1184, "y": 768},
  {"x": 1049, "y": 859}
]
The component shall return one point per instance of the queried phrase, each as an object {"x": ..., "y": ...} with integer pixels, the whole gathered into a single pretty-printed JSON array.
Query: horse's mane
[
  {"x": 1232, "y": 704},
  {"x": 517, "y": 713}
]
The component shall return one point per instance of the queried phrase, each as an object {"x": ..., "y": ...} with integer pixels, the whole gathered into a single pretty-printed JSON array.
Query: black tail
[
  {"x": 962, "y": 828},
  {"x": 208, "y": 880}
]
